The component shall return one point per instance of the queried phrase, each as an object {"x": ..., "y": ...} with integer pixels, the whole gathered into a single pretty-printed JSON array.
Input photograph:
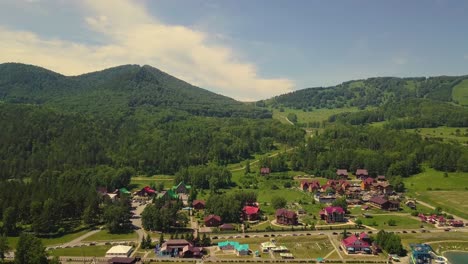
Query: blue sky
[{"x": 244, "y": 49}]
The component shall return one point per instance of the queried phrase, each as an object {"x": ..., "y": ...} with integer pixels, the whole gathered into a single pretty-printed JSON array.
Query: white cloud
[{"x": 133, "y": 36}]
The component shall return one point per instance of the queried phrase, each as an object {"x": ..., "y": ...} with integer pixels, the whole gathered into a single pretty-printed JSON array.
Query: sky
[{"x": 244, "y": 49}]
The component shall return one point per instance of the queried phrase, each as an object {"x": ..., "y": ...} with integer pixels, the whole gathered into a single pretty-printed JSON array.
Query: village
[{"x": 351, "y": 210}]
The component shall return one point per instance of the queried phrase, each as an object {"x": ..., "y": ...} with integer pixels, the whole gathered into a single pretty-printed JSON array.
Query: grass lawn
[
  {"x": 317, "y": 115},
  {"x": 447, "y": 192},
  {"x": 13, "y": 241},
  {"x": 89, "y": 251},
  {"x": 104, "y": 235},
  {"x": 409, "y": 238},
  {"x": 445, "y": 133},
  {"x": 402, "y": 222},
  {"x": 139, "y": 182},
  {"x": 460, "y": 93}
]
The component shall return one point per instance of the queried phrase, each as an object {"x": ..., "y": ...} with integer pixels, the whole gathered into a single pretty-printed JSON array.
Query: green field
[
  {"x": 460, "y": 93},
  {"x": 13, "y": 241},
  {"x": 90, "y": 251},
  {"x": 317, "y": 115},
  {"x": 450, "y": 193},
  {"x": 402, "y": 222},
  {"x": 139, "y": 182},
  {"x": 432, "y": 237},
  {"x": 104, "y": 235},
  {"x": 455, "y": 134}
]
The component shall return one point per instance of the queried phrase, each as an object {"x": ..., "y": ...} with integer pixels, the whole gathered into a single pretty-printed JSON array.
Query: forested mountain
[
  {"x": 369, "y": 92},
  {"x": 116, "y": 92}
]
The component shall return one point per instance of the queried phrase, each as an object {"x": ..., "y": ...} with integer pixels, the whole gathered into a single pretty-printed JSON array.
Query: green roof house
[
  {"x": 124, "y": 191},
  {"x": 240, "y": 249},
  {"x": 169, "y": 194},
  {"x": 181, "y": 188}
]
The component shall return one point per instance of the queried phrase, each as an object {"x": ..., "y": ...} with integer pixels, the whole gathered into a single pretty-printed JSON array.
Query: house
[
  {"x": 357, "y": 243},
  {"x": 383, "y": 203},
  {"x": 457, "y": 223},
  {"x": 342, "y": 174},
  {"x": 122, "y": 260},
  {"x": 250, "y": 213},
  {"x": 181, "y": 188},
  {"x": 353, "y": 192},
  {"x": 382, "y": 187},
  {"x": 265, "y": 171},
  {"x": 119, "y": 251},
  {"x": 226, "y": 227},
  {"x": 411, "y": 204},
  {"x": 325, "y": 198},
  {"x": 381, "y": 178},
  {"x": 361, "y": 174},
  {"x": 198, "y": 204},
  {"x": 239, "y": 249},
  {"x": 167, "y": 195},
  {"x": 212, "y": 220},
  {"x": 310, "y": 186},
  {"x": 191, "y": 252},
  {"x": 366, "y": 183},
  {"x": 286, "y": 217},
  {"x": 146, "y": 191},
  {"x": 332, "y": 214},
  {"x": 174, "y": 247}
]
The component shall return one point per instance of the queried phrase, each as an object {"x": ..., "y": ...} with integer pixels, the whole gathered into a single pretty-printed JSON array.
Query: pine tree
[{"x": 161, "y": 239}]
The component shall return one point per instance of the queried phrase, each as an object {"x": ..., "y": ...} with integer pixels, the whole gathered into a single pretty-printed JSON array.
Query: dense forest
[
  {"x": 369, "y": 92},
  {"x": 380, "y": 151},
  {"x": 116, "y": 92},
  {"x": 409, "y": 113}
]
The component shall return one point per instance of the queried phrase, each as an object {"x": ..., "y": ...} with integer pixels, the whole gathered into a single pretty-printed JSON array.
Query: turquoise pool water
[{"x": 457, "y": 257}]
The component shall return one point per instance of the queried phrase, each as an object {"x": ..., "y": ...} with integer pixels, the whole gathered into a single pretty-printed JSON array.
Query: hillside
[
  {"x": 115, "y": 90},
  {"x": 371, "y": 92}
]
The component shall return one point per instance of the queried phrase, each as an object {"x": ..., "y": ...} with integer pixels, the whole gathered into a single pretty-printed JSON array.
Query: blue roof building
[{"x": 420, "y": 254}]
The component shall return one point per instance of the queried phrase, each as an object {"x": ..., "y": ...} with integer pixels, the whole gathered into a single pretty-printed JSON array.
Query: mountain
[
  {"x": 374, "y": 92},
  {"x": 116, "y": 90}
]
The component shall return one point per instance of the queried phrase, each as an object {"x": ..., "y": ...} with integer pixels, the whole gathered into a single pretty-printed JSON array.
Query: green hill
[
  {"x": 369, "y": 92},
  {"x": 116, "y": 90}
]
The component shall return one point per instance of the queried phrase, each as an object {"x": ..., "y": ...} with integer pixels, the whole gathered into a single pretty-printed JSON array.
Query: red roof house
[
  {"x": 310, "y": 186},
  {"x": 332, "y": 214},
  {"x": 286, "y": 217},
  {"x": 361, "y": 174},
  {"x": 265, "y": 171},
  {"x": 198, "y": 204},
  {"x": 212, "y": 220},
  {"x": 250, "y": 212},
  {"x": 342, "y": 173},
  {"x": 366, "y": 183},
  {"x": 357, "y": 243}
]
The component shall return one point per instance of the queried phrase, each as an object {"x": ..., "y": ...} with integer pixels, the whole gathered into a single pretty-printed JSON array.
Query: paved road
[{"x": 136, "y": 221}]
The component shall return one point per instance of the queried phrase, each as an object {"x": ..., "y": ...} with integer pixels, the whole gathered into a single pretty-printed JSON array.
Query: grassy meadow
[
  {"x": 460, "y": 93},
  {"x": 455, "y": 134},
  {"x": 316, "y": 115},
  {"x": 104, "y": 235},
  {"x": 433, "y": 187},
  {"x": 88, "y": 251}
]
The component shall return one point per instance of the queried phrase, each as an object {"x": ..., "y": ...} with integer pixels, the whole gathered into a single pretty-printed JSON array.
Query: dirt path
[
  {"x": 336, "y": 248},
  {"x": 256, "y": 161}
]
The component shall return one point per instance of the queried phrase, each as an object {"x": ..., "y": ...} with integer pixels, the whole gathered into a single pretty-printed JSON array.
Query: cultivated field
[{"x": 460, "y": 93}]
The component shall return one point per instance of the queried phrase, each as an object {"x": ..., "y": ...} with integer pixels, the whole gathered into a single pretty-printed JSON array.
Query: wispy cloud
[{"x": 131, "y": 35}]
